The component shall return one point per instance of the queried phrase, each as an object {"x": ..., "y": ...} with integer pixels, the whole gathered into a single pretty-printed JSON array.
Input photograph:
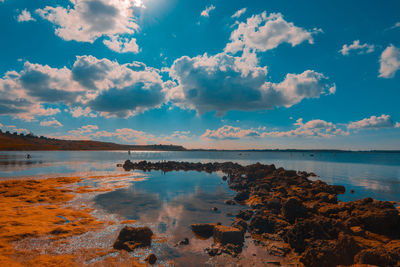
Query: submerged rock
[
  {"x": 302, "y": 213},
  {"x": 205, "y": 230},
  {"x": 130, "y": 238}
]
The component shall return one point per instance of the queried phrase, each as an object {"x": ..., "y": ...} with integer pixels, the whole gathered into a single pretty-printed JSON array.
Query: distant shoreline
[{"x": 18, "y": 142}]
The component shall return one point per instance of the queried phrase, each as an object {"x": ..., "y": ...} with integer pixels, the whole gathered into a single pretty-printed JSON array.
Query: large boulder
[
  {"x": 330, "y": 253},
  {"x": 228, "y": 235},
  {"x": 130, "y": 238},
  {"x": 204, "y": 230}
]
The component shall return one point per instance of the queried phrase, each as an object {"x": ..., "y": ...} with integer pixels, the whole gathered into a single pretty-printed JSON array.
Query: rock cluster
[{"x": 305, "y": 214}]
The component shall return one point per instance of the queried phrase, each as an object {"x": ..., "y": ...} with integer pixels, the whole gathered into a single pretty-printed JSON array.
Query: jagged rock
[
  {"x": 242, "y": 196},
  {"x": 293, "y": 208},
  {"x": 245, "y": 214},
  {"x": 240, "y": 224},
  {"x": 228, "y": 234}
]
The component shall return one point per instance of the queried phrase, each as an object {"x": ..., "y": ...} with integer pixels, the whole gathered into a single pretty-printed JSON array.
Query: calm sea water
[
  {"x": 169, "y": 203},
  {"x": 368, "y": 174}
]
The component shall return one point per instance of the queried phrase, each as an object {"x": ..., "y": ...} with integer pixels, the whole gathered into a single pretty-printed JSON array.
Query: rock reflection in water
[{"x": 169, "y": 204}]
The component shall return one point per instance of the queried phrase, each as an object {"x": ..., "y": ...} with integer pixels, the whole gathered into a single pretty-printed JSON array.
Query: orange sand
[{"x": 30, "y": 208}]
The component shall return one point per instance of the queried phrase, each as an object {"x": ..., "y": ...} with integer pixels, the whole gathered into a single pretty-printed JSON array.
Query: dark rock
[
  {"x": 130, "y": 238},
  {"x": 229, "y": 202},
  {"x": 185, "y": 241},
  {"x": 151, "y": 259},
  {"x": 245, "y": 214},
  {"x": 377, "y": 256},
  {"x": 242, "y": 196},
  {"x": 205, "y": 230},
  {"x": 240, "y": 224},
  {"x": 228, "y": 234},
  {"x": 292, "y": 209},
  {"x": 330, "y": 253}
]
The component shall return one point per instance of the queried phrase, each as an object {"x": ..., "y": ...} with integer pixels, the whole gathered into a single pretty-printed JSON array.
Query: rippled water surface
[{"x": 369, "y": 174}]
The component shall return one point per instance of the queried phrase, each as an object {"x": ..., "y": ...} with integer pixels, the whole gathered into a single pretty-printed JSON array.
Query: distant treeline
[{"x": 30, "y": 142}]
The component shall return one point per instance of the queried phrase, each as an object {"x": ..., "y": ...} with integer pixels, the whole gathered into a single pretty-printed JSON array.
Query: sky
[{"x": 203, "y": 74}]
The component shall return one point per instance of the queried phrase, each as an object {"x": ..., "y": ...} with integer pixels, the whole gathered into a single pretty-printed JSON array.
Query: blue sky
[{"x": 210, "y": 74}]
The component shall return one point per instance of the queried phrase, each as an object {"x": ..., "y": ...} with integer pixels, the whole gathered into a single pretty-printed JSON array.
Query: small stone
[{"x": 151, "y": 259}]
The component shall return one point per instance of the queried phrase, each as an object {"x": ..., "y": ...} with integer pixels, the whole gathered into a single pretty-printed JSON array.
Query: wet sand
[
  {"x": 45, "y": 223},
  {"x": 56, "y": 222}
]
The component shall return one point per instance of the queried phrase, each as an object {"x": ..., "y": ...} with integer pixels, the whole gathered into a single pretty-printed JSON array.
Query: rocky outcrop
[{"x": 305, "y": 214}]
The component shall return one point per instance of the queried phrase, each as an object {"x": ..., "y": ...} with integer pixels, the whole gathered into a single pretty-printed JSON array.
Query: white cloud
[
  {"x": 92, "y": 85},
  {"x": 122, "y": 45},
  {"x": 356, "y": 46},
  {"x": 84, "y": 130},
  {"x": 228, "y": 132},
  {"x": 128, "y": 135},
  {"x": 313, "y": 128},
  {"x": 25, "y": 16},
  {"x": 52, "y": 123},
  {"x": 373, "y": 122},
  {"x": 88, "y": 20},
  {"x": 222, "y": 82},
  {"x": 397, "y": 125},
  {"x": 262, "y": 33},
  {"x": 396, "y": 25},
  {"x": 82, "y": 112},
  {"x": 239, "y": 13},
  {"x": 207, "y": 10},
  {"x": 389, "y": 62}
]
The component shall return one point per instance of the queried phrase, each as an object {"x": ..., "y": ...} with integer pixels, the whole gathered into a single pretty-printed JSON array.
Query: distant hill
[{"x": 30, "y": 142}]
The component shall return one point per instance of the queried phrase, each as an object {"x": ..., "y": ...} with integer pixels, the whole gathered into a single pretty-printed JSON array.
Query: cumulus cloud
[
  {"x": 356, "y": 46},
  {"x": 230, "y": 133},
  {"x": 127, "y": 135},
  {"x": 389, "y": 62},
  {"x": 84, "y": 130},
  {"x": 223, "y": 82},
  {"x": 122, "y": 45},
  {"x": 24, "y": 16},
  {"x": 134, "y": 87},
  {"x": 88, "y": 20},
  {"x": 239, "y": 13},
  {"x": 91, "y": 85},
  {"x": 262, "y": 33},
  {"x": 82, "y": 112},
  {"x": 312, "y": 128},
  {"x": 51, "y": 123},
  {"x": 373, "y": 122},
  {"x": 207, "y": 10}
]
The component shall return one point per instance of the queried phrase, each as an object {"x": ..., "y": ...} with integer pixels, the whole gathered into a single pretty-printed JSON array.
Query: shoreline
[
  {"x": 281, "y": 203},
  {"x": 286, "y": 206}
]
